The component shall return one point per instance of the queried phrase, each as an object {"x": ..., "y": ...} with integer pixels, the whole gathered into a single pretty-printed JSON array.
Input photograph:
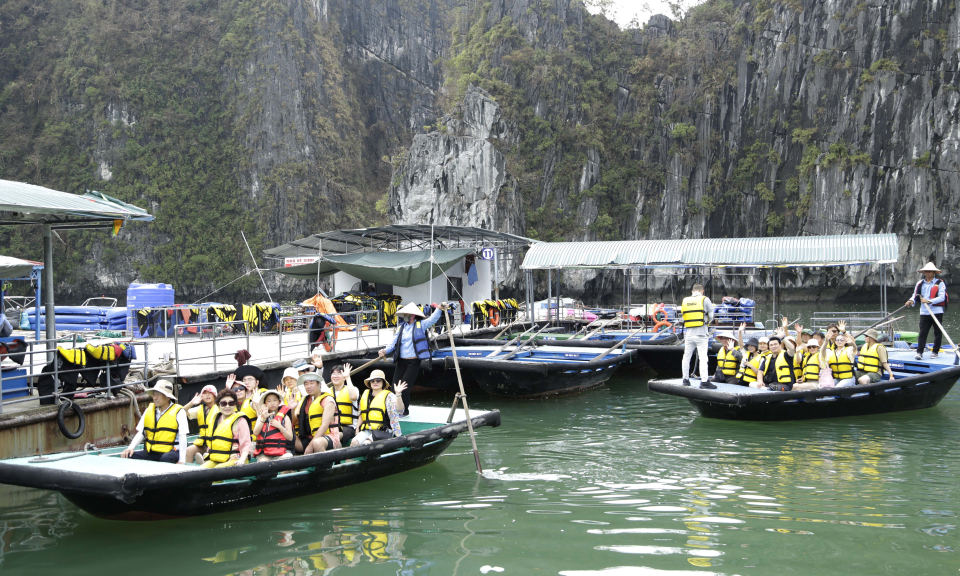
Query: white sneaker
[
  {"x": 198, "y": 459},
  {"x": 918, "y": 357},
  {"x": 935, "y": 355}
]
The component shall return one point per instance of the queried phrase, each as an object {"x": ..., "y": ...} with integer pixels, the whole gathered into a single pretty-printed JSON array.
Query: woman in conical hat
[
  {"x": 931, "y": 294},
  {"x": 410, "y": 346}
]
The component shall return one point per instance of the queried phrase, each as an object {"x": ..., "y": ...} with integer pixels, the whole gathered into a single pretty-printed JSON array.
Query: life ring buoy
[
  {"x": 659, "y": 313},
  {"x": 660, "y": 324},
  {"x": 494, "y": 317},
  {"x": 61, "y": 419}
]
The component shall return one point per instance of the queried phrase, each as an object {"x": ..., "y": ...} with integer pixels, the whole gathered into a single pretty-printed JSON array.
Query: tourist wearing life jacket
[
  {"x": 250, "y": 377},
  {"x": 162, "y": 428},
  {"x": 346, "y": 395},
  {"x": 203, "y": 409},
  {"x": 810, "y": 369},
  {"x": 728, "y": 358},
  {"x": 230, "y": 443},
  {"x": 380, "y": 410},
  {"x": 872, "y": 359},
  {"x": 319, "y": 428},
  {"x": 697, "y": 313},
  {"x": 931, "y": 295},
  {"x": 751, "y": 353},
  {"x": 410, "y": 345},
  {"x": 273, "y": 430},
  {"x": 842, "y": 358},
  {"x": 778, "y": 372}
]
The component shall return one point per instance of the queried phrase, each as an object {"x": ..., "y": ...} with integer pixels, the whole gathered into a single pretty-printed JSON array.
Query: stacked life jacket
[
  {"x": 388, "y": 308},
  {"x": 270, "y": 441},
  {"x": 222, "y": 313}
]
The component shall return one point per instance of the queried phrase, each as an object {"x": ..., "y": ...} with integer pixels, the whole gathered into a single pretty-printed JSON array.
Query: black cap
[
  {"x": 248, "y": 370},
  {"x": 753, "y": 342}
]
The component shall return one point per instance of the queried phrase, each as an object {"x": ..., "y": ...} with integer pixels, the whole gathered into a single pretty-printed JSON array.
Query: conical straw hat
[
  {"x": 411, "y": 308},
  {"x": 930, "y": 267}
]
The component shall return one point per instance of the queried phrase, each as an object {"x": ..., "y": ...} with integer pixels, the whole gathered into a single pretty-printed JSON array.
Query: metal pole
[
  {"x": 629, "y": 280},
  {"x": 549, "y": 317},
  {"x": 463, "y": 394},
  {"x": 51, "y": 319},
  {"x": 36, "y": 306},
  {"x": 267, "y": 290},
  {"x": 775, "y": 323},
  {"x": 496, "y": 276},
  {"x": 646, "y": 293},
  {"x": 430, "y": 277},
  {"x": 558, "y": 296}
]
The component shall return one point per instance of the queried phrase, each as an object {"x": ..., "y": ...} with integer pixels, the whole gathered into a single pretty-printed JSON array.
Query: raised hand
[
  {"x": 400, "y": 387},
  {"x": 798, "y": 328},
  {"x": 743, "y": 326},
  {"x": 263, "y": 413},
  {"x": 842, "y": 326},
  {"x": 231, "y": 378}
]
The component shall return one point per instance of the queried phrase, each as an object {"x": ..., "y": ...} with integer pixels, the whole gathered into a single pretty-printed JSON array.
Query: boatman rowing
[
  {"x": 697, "y": 312},
  {"x": 933, "y": 292},
  {"x": 409, "y": 346}
]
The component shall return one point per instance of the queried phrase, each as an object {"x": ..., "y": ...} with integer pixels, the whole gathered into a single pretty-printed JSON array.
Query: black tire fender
[{"x": 61, "y": 419}]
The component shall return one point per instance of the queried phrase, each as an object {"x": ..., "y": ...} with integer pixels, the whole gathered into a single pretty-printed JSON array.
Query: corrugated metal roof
[
  {"x": 400, "y": 237},
  {"x": 30, "y": 203},
  {"x": 741, "y": 252}
]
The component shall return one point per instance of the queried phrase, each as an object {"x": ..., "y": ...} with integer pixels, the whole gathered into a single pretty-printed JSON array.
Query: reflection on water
[{"x": 614, "y": 481}]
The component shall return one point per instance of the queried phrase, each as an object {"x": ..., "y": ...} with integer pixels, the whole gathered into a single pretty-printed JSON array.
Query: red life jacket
[{"x": 270, "y": 441}]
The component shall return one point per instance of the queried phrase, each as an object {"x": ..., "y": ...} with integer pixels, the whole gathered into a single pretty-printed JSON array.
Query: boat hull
[
  {"x": 192, "y": 491},
  {"x": 910, "y": 393},
  {"x": 667, "y": 360}
]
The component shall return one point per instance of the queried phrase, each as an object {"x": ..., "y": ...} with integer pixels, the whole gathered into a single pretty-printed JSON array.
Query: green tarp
[{"x": 402, "y": 269}]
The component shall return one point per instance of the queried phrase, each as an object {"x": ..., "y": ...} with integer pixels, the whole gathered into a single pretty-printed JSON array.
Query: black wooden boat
[
  {"x": 667, "y": 360},
  {"x": 731, "y": 402},
  {"x": 541, "y": 370},
  {"x": 109, "y": 487}
]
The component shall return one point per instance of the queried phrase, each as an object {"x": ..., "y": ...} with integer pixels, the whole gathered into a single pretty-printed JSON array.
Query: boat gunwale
[{"x": 539, "y": 367}]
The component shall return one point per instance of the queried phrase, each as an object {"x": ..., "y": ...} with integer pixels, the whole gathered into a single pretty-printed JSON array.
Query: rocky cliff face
[{"x": 283, "y": 117}]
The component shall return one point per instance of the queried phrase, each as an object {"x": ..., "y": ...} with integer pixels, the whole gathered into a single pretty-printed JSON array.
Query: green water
[{"x": 612, "y": 481}]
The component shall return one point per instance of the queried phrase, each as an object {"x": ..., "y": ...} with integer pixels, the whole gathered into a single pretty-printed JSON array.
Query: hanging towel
[
  {"x": 472, "y": 274},
  {"x": 242, "y": 357}
]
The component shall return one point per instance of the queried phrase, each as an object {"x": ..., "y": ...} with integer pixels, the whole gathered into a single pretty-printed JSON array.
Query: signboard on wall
[
  {"x": 299, "y": 261},
  {"x": 488, "y": 253}
]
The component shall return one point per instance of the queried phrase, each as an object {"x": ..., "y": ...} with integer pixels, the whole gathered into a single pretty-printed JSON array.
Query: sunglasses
[
  {"x": 228, "y": 403},
  {"x": 376, "y": 379}
]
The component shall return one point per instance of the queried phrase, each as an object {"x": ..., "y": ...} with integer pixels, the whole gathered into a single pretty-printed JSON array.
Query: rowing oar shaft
[
  {"x": 463, "y": 394},
  {"x": 370, "y": 363},
  {"x": 615, "y": 346},
  {"x": 505, "y": 328},
  {"x": 944, "y": 332},
  {"x": 517, "y": 337},
  {"x": 879, "y": 322}
]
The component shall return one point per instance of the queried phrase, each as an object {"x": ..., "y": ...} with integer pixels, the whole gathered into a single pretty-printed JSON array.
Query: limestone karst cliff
[{"x": 282, "y": 117}]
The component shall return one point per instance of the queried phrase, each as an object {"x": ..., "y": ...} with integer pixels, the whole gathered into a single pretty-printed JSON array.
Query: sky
[{"x": 623, "y": 11}]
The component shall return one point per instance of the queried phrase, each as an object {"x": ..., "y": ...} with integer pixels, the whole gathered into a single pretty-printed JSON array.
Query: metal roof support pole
[
  {"x": 646, "y": 293},
  {"x": 51, "y": 318},
  {"x": 558, "y": 296},
  {"x": 629, "y": 279},
  {"x": 775, "y": 322},
  {"x": 549, "y": 295},
  {"x": 496, "y": 274},
  {"x": 529, "y": 300},
  {"x": 36, "y": 275}
]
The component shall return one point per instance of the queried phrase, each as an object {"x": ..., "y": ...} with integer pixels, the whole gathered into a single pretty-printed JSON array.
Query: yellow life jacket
[
  {"x": 811, "y": 368},
  {"x": 345, "y": 406},
  {"x": 221, "y": 445},
  {"x": 727, "y": 361},
  {"x": 374, "y": 546},
  {"x": 315, "y": 415},
  {"x": 73, "y": 355},
  {"x": 745, "y": 375},
  {"x": 205, "y": 423},
  {"x": 105, "y": 352},
  {"x": 784, "y": 370},
  {"x": 247, "y": 408},
  {"x": 841, "y": 364},
  {"x": 798, "y": 363},
  {"x": 869, "y": 358},
  {"x": 693, "y": 312},
  {"x": 160, "y": 436},
  {"x": 374, "y": 413}
]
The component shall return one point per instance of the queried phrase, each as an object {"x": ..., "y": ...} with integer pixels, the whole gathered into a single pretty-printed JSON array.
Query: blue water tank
[{"x": 147, "y": 296}]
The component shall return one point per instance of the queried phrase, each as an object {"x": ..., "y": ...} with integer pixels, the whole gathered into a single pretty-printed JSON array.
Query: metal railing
[
  {"x": 19, "y": 383},
  {"x": 856, "y": 321},
  {"x": 210, "y": 343}
]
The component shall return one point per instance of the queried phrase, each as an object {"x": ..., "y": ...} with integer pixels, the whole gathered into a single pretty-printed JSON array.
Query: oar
[
  {"x": 518, "y": 336},
  {"x": 463, "y": 394},
  {"x": 940, "y": 326},
  {"x": 879, "y": 322},
  {"x": 615, "y": 346},
  {"x": 507, "y": 327},
  {"x": 518, "y": 348},
  {"x": 595, "y": 330},
  {"x": 370, "y": 363}
]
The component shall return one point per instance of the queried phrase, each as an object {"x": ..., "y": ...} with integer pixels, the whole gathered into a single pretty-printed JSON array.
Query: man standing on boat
[
  {"x": 933, "y": 292},
  {"x": 410, "y": 346},
  {"x": 697, "y": 312}
]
